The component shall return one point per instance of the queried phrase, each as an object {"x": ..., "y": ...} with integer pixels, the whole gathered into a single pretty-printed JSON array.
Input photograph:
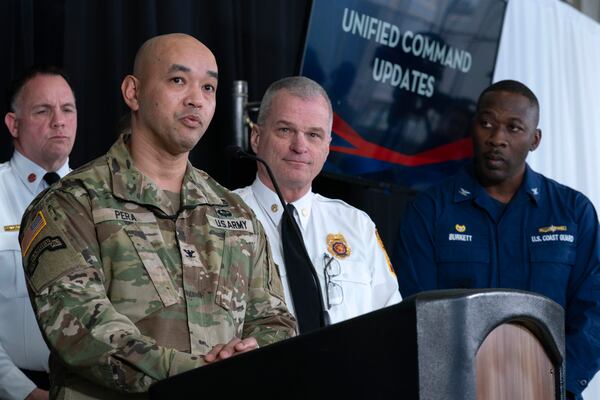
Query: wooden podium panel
[
  {"x": 423, "y": 349},
  {"x": 512, "y": 364}
]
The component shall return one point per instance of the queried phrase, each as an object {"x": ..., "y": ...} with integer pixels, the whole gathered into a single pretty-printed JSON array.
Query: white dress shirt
[
  {"x": 365, "y": 276},
  {"x": 21, "y": 343}
]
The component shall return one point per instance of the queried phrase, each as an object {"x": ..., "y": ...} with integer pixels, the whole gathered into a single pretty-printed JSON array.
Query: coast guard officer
[
  {"x": 140, "y": 266},
  {"x": 499, "y": 224}
]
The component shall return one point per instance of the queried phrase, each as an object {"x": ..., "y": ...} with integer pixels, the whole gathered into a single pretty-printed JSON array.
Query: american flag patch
[{"x": 36, "y": 226}]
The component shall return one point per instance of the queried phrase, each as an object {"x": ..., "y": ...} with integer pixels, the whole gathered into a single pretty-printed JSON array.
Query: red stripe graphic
[{"x": 458, "y": 150}]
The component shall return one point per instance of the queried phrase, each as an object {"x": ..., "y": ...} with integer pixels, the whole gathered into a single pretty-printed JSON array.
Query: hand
[
  {"x": 37, "y": 394},
  {"x": 235, "y": 346}
]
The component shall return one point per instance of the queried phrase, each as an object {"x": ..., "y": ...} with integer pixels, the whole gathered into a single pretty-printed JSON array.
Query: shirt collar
[
  {"x": 129, "y": 183},
  {"x": 467, "y": 187},
  {"x": 532, "y": 184},
  {"x": 270, "y": 203},
  {"x": 26, "y": 169}
]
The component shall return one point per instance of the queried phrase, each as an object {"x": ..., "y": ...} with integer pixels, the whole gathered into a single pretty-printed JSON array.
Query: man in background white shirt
[
  {"x": 42, "y": 122},
  {"x": 292, "y": 135}
]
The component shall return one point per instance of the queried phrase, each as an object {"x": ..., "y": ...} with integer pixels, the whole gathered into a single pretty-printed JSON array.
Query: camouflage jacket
[{"x": 128, "y": 291}]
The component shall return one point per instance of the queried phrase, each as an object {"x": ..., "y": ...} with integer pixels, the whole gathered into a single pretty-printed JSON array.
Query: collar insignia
[
  {"x": 464, "y": 192},
  {"x": 189, "y": 253}
]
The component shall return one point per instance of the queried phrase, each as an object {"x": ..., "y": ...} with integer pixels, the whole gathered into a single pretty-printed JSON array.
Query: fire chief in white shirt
[{"x": 293, "y": 135}]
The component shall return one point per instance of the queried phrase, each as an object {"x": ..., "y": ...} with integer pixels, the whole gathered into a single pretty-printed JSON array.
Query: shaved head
[
  {"x": 150, "y": 53},
  {"x": 172, "y": 92}
]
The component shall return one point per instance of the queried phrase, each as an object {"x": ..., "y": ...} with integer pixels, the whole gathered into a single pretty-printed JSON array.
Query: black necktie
[
  {"x": 51, "y": 177},
  {"x": 305, "y": 293}
]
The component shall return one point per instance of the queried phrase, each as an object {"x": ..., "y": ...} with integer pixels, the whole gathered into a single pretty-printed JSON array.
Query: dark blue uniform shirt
[{"x": 545, "y": 240}]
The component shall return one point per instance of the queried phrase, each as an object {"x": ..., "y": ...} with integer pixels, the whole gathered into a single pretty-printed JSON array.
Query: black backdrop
[{"x": 95, "y": 42}]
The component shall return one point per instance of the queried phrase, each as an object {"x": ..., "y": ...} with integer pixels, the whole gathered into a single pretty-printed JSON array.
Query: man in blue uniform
[{"x": 499, "y": 224}]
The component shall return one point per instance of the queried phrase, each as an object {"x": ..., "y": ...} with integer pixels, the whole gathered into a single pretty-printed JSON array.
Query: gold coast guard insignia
[
  {"x": 552, "y": 229},
  {"x": 338, "y": 246},
  {"x": 460, "y": 228}
]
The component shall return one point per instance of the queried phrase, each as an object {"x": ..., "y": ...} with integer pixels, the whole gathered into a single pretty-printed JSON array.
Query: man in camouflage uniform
[{"x": 140, "y": 266}]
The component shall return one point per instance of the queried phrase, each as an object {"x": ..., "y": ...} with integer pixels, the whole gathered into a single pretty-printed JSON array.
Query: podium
[{"x": 440, "y": 345}]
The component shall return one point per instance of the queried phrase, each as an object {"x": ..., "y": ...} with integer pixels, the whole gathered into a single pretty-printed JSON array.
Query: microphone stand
[{"x": 238, "y": 152}]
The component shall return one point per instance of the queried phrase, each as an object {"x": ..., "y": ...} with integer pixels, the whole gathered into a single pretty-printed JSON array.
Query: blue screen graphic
[{"x": 403, "y": 77}]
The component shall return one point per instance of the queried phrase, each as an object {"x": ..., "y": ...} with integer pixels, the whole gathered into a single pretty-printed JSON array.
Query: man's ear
[
  {"x": 12, "y": 123},
  {"x": 255, "y": 138},
  {"x": 130, "y": 90},
  {"x": 536, "y": 140}
]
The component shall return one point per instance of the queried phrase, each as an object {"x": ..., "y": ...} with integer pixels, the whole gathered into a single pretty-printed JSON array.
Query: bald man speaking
[{"x": 140, "y": 266}]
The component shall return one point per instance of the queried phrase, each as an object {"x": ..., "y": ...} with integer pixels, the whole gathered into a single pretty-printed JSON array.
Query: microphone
[{"x": 235, "y": 151}]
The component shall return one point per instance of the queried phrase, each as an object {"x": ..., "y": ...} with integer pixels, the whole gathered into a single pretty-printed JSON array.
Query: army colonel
[{"x": 139, "y": 265}]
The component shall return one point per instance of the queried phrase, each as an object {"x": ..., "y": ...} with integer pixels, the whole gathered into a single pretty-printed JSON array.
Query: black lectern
[{"x": 423, "y": 348}]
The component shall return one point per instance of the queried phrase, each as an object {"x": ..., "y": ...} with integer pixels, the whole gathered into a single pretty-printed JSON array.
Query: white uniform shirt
[
  {"x": 21, "y": 343},
  {"x": 365, "y": 274}
]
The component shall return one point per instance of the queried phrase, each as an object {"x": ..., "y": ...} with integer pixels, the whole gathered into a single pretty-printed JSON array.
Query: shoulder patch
[
  {"x": 50, "y": 243},
  {"x": 31, "y": 232},
  {"x": 387, "y": 258}
]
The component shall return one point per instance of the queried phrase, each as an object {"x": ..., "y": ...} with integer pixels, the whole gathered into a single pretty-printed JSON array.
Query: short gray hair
[{"x": 298, "y": 86}]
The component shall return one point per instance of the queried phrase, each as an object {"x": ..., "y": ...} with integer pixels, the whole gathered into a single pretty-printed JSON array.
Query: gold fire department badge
[{"x": 338, "y": 246}]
